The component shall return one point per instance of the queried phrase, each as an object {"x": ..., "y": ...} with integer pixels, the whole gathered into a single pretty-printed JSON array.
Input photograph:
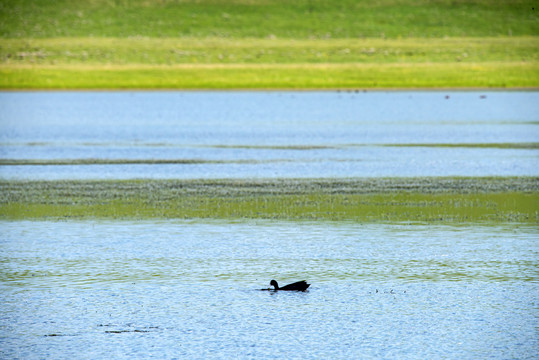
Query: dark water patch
[
  {"x": 126, "y": 331},
  {"x": 127, "y": 328},
  {"x": 278, "y": 147},
  {"x": 68, "y": 162},
  {"x": 471, "y": 145}
]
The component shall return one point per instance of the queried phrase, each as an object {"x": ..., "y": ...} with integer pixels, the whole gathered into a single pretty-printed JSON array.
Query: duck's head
[{"x": 274, "y": 284}]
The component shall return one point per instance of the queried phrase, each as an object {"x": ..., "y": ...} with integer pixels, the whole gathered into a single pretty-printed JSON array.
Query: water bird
[{"x": 297, "y": 286}]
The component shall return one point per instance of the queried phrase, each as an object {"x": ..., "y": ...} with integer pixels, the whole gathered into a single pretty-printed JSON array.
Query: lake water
[
  {"x": 269, "y": 134},
  {"x": 189, "y": 289},
  {"x": 170, "y": 289}
]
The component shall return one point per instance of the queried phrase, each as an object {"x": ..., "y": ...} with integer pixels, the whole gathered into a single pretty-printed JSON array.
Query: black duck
[{"x": 297, "y": 286}]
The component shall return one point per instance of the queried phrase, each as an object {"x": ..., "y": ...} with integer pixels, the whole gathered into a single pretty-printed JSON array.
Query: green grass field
[
  {"x": 274, "y": 44},
  {"x": 426, "y": 200},
  {"x": 291, "y": 19}
]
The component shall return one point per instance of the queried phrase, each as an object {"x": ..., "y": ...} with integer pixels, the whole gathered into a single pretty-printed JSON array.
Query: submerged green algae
[{"x": 365, "y": 200}]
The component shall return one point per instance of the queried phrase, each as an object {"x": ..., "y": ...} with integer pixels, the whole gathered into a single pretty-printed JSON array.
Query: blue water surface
[
  {"x": 190, "y": 289},
  {"x": 270, "y": 134},
  {"x": 169, "y": 289}
]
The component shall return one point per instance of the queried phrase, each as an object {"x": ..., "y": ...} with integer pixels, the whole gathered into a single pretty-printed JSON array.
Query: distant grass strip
[
  {"x": 216, "y": 63},
  {"x": 273, "y": 76},
  {"x": 219, "y": 51},
  {"x": 364, "y": 200}
]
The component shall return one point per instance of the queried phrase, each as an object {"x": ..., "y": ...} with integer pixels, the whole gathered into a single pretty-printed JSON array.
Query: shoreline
[
  {"x": 337, "y": 89},
  {"x": 339, "y": 77}
]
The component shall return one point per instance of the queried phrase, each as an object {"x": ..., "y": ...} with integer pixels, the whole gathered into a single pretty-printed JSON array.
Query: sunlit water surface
[
  {"x": 181, "y": 289},
  {"x": 270, "y": 134}
]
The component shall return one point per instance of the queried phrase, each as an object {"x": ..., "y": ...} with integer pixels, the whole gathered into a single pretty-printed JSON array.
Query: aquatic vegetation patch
[{"x": 365, "y": 200}]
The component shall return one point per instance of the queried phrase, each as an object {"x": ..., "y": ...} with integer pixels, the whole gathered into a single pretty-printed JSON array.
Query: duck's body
[{"x": 297, "y": 286}]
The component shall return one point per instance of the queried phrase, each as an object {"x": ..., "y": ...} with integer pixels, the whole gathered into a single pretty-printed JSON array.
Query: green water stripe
[{"x": 366, "y": 200}]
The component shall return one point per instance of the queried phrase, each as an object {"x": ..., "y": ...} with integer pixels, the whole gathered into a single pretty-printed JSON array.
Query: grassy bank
[
  {"x": 364, "y": 200},
  {"x": 303, "y": 44},
  {"x": 89, "y": 51},
  {"x": 88, "y": 63},
  {"x": 296, "y": 19},
  {"x": 297, "y": 76}
]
